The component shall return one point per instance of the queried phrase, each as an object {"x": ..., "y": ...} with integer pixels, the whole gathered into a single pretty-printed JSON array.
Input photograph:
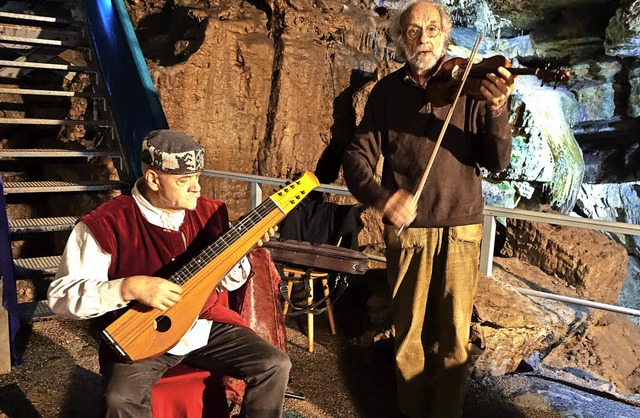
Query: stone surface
[
  {"x": 623, "y": 32},
  {"x": 613, "y": 202},
  {"x": 633, "y": 108},
  {"x": 583, "y": 259},
  {"x": 605, "y": 164},
  {"x": 510, "y": 335},
  {"x": 590, "y": 344}
]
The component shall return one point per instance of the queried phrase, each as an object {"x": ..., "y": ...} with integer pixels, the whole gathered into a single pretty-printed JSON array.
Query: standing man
[
  {"x": 110, "y": 261},
  {"x": 433, "y": 263}
]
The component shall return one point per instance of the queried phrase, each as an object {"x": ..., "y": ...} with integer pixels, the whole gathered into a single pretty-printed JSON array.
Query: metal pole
[
  {"x": 256, "y": 195},
  {"x": 583, "y": 302},
  {"x": 488, "y": 244}
]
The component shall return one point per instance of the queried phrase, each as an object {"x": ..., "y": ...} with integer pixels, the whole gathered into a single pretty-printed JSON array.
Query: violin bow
[{"x": 427, "y": 169}]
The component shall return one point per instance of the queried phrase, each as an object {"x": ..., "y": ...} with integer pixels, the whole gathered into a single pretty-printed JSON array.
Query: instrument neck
[
  {"x": 231, "y": 236},
  {"x": 483, "y": 71}
]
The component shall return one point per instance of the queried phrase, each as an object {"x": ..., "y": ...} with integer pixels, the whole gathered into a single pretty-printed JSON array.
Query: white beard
[{"x": 423, "y": 62}]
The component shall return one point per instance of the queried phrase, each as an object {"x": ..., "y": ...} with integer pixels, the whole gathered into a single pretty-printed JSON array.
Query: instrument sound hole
[{"x": 163, "y": 323}]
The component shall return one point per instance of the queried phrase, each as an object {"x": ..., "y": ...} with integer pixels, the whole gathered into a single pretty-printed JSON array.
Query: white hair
[{"x": 399, "y": 24}]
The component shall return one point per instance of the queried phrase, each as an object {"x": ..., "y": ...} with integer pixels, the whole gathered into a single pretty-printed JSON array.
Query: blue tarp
[{"x": 133, "y": 98}]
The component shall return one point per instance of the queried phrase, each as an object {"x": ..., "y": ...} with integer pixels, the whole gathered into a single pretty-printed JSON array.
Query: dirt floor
[{"x": 348, "y": 375}]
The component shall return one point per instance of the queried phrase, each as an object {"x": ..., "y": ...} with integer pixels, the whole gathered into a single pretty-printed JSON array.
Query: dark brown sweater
[{"x": 403, "y": 124}]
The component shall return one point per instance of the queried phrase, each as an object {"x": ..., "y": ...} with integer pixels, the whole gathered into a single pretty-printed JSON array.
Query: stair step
[
  {"x": 35, "y": 311},
  {"x": 58, "y": 93},
  {"x": 46, "y": 265},
  {"x": 56, "y": 153},
  {"x": 62, "y": 223},
  {"x": 52, "y": 122},
  {"x": 45, "y": 66},
  {"x": 40, "y": 42},
  {"x": 40, "y": 19},
  {"x": 61, "y": 186}
]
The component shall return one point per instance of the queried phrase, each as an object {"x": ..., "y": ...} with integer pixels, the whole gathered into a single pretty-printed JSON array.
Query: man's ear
[{"x": 152, "y": 179}]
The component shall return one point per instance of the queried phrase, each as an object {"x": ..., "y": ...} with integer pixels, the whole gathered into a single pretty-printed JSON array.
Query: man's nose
[
  {"x": 423, "y": 38},
  {"x": 195, "y": 186}
]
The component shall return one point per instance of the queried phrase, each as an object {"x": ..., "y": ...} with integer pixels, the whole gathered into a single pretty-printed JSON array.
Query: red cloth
[
  {"x": 188, "y": 392},
  {"x": 138, "y": 247},
  {"x": 259, "y": 303},
  {"x": 122, "y": 231}
]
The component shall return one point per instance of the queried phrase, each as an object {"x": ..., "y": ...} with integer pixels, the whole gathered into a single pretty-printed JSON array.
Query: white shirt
[{"x": 81, "y": 288}]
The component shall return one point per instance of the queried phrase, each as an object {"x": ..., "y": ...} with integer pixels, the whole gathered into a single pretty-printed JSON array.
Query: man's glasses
[{"x": 414, "y": 32}]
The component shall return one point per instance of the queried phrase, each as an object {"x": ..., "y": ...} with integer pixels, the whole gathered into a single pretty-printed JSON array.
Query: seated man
[{"x": 110, "y": 259}]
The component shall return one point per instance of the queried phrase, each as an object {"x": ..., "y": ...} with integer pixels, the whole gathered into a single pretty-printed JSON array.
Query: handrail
[
  {"x": 558, "y": 219},
  {"x": 132, "y": 95},
  {"x": 487, "y": 246},
  {"x": 583, "y": 302},
  {"x": 491, "y": 212}
]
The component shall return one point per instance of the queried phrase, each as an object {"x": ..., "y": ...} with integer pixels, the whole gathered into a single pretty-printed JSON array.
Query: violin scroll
[
  {"x": 552, "y": 75},
  {"x": 453, "y": 69}
]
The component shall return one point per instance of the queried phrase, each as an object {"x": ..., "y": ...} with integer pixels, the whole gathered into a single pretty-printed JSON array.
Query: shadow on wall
[
  {"x": 171, "y": 36},
  {"x": 343, "y": 127}
]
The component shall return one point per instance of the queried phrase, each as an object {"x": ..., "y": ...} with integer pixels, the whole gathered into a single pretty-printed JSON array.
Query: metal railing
[{"x": 488, "y": 238}]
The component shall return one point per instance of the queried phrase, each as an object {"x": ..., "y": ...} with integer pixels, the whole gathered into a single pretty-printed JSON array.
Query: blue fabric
[
  {"x": 9, "y": 296},
  {"x": 135, "y": 105}
]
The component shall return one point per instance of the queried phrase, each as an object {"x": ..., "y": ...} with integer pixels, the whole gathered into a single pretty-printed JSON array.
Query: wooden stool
[{"x": 292, "y": 274}]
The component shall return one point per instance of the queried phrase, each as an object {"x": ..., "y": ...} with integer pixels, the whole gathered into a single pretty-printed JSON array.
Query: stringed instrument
[
  {"x": 143, "y": 332},
  {"x": 452, "y": 73},
  {"x": 460, "y": 75}
]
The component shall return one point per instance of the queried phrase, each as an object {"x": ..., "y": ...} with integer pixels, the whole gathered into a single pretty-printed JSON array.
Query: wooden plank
[{"x": 5, "y": 348}]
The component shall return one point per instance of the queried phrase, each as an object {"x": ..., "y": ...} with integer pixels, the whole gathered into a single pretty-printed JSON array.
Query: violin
[{"x": 452, "y": 70}]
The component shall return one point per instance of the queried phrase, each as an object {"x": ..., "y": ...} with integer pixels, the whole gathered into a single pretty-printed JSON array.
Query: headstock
[{"x": 296, "y": 190}]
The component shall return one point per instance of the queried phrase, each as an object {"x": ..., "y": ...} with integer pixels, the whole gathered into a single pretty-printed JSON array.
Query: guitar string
[
  {"x": 266, "y": 208},
  {"x": 137, "y": 331},
  {"x": 227, "y": 239},
  {"x": 210, "y": 253}
]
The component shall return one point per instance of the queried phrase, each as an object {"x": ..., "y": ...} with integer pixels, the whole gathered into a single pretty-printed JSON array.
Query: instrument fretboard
[{"x": 209, "y": 253}]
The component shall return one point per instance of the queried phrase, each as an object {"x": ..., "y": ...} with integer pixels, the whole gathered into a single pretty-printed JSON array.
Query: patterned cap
[{"x": 172, "y": 152}]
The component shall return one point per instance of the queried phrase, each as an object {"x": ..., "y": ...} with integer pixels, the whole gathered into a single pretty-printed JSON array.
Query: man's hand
[
  {"x": 267, "y": 235},
  {"x": 155, "y": 292},
  {"x": 496, "y": 90},
  {"x": 400, "y": 209}
]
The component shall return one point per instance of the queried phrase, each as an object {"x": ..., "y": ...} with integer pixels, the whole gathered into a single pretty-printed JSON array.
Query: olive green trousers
[{"x": 433, "y": 274}]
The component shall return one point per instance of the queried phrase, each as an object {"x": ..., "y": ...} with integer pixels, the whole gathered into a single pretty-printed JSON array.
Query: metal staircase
[{"x": 59, "y": 152}]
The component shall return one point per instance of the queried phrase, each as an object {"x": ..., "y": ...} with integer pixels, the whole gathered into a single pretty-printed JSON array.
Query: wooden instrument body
[{"x": 143, "y": 332}]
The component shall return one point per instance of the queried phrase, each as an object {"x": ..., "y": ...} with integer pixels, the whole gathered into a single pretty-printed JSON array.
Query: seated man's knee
[
  {"x": 119, "y": 398},
  {"x": 277, "y": 359},
  {"x": 115, "y": 400}
]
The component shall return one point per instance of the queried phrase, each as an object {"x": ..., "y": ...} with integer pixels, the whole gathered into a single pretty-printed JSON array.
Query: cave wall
[{"x": 267, "y": 87}]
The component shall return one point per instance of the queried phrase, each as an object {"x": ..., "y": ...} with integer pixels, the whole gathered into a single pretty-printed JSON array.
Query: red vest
[{"x": 138, "y": 247}]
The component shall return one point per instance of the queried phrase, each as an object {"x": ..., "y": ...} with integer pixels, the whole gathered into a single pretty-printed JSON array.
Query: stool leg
[
  {"x": 310, "y": 317},
  {"x": 325, "y": 288},
  {"x": 285, "y": 308}
]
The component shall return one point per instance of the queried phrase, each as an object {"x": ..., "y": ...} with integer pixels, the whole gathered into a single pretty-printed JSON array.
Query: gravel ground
[{"x": 347, "y": 376}]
